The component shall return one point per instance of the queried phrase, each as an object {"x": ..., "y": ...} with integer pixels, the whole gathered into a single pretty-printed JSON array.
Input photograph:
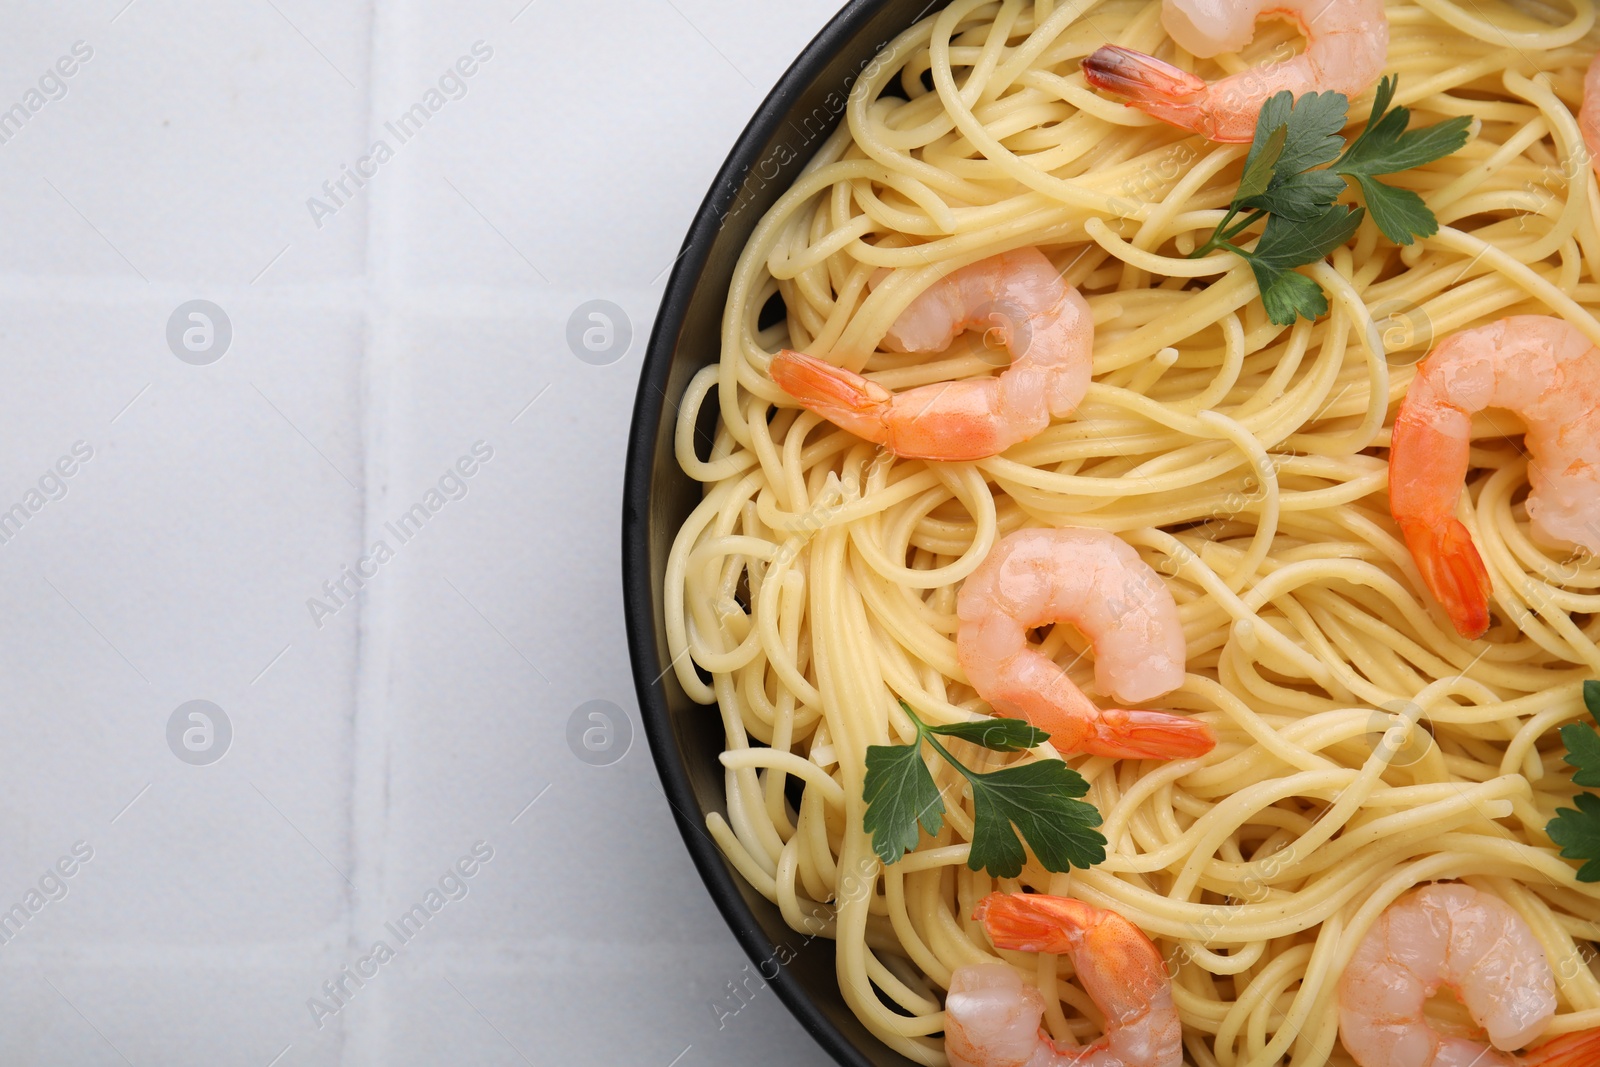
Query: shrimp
[
  {"x": 1096, "y": 581},
  {"x": 1456, "y": 936},
  {"x": 1543, "y": 369},
  {"x": 1347, "y": 43},
  {"x": 1045, "y": 324},
  {"x": 1589, "y": 114},
  {"x": 992, "y": 1018}
]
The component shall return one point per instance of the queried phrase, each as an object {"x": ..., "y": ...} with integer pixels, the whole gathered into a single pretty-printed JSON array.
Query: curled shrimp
[
  {"x": 1045, "y": 325},
  {"x": 1096, "y": 581},
  {"x": 1347, "y": 43},
  {"x": 992, "y": 1018},
  {"x": 1543, "y": 369},
  {"x": 1474, "y": 943}
]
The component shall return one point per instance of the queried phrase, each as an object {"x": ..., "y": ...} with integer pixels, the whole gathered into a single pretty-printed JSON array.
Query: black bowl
[{"x": 685, "y": 738}]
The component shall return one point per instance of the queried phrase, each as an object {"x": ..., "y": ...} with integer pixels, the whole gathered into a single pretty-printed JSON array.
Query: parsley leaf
[
  {"x": 1577, "y": 830},
  {"x": 1578, "y": 834},
  {"x": 1300, "y": 197},
  {"x": 1285, "y": 245},
  {"x": 899, "y": 793},
  {"x": 1383, "y": 97},
  {"x": 1303, "y": 223},
  {"x": 1312, "y": 124},
  {"x": 1261, "y": 164},
  {"x": 1583, "y": 743},
  {"x": 1386, "y": 147},
  {"x": 1400, "y": 213},
  {"x": 1001, "y": 735},
  {"x": 1287, "y": 295},
  {"x": 1583, "y": 752},
  {"x": 1038, "y": 798},
  {"x": 1290, "y": 139}
]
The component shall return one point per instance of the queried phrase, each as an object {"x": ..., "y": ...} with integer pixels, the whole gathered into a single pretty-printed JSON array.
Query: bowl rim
[{"x": 639, "y": 610}]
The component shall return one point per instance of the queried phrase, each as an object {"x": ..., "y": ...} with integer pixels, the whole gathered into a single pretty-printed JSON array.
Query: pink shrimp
[
  {"x": 992, "y": 1018},
  {"x": 1456, "y": 936},
  {"x": 1545, "y": 370},
  {"x": 1096, "y": 581},
  {"x": 1044, "y": 323},
  {"x": 1589, "y": 114},
  {"x": 1347, "y": 43}
]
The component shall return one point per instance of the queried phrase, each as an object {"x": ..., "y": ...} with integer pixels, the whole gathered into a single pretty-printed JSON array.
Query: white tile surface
[{"x": 369, "y": 353}]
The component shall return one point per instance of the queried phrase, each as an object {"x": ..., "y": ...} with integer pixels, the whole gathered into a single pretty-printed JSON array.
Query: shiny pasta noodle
[{"x": 1364, "y": 748}]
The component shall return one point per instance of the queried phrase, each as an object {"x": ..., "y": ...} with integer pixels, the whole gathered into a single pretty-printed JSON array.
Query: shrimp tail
[
  {"x": 841, "y": 396},
  {"x": 1580, "y": 1049},
  {"x": 1152, "y": 85},
  {"x": 1031, "y": 922},
  {"x": 1453, "y": 572},
  {"x": 1121, "y": 733}
]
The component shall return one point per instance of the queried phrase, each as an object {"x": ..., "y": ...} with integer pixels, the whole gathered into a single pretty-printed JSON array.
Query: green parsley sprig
[
  {"x": 1038, "y": 798},
  {"x": 1577, "y": 830},
  {"x": 1303, "y": 223}
]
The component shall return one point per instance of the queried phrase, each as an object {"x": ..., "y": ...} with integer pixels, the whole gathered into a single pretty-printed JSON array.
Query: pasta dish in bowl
[{"x": 1140, "y": 574}]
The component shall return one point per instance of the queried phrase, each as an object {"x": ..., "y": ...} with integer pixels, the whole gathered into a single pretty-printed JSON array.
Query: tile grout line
[{"x": 365, "y": 1034}]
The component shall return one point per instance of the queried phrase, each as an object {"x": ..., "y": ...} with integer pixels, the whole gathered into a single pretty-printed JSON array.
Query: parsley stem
[
  {"x": 925, "y": 734},
  {"x": 957, "y": 764},
  {"x": 921, "y": 726},
  {"x": 1245, "y": 224},
  {"x": 1214, "y": 241},
  {"x": 1223, "y": 234}
]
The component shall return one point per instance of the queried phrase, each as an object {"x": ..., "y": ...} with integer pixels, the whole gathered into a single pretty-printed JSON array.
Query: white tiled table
[{"x": 374, "y": 342}]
